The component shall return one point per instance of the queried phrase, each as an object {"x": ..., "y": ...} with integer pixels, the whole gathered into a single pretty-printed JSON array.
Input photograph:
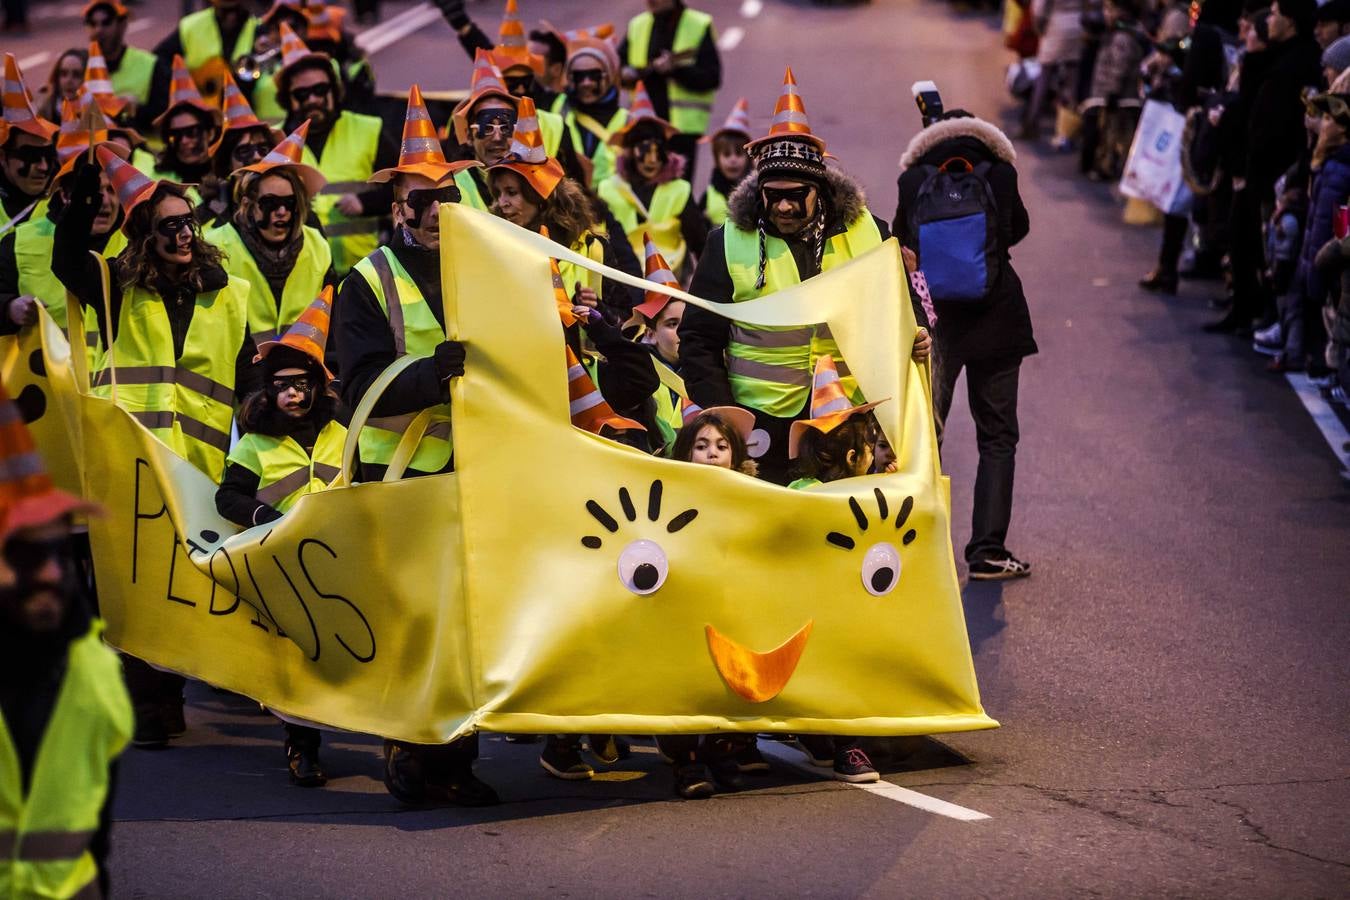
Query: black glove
[
  {"x": 449, "y": 358},
  {"x": 87, "y": 190},
  {"x": 264, "y": 514},
  {"x": 453, "y": 10},
  {"x": 601, "y": 329}
]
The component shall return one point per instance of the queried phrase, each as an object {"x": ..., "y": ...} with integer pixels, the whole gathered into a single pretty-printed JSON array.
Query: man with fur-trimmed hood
[
  {"x": 790, "y": 220},
  {"x": 987, "y": 336}
]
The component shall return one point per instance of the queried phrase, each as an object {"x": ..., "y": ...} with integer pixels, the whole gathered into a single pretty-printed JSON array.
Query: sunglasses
[
  {"x": 796, "y": 196},
  {"x": 192, "y": 132},
  {"x": 318, "y": 92},
  {"x": 650, "y": 145},
  {"x": 302, "y": 384},
  {"x": 30, "y": 155},
  {"x": 420, "y": 201},
  {"x": 519, "y": 84},
  {"x": 581, "y": 76},
  {"x": 248, "y": 153},
  {"x": 27, "y": 557},
  {"x": 494, "y": 121},
  {"x": 270, "y": 203},
  {"x": 175, "y": 225}
]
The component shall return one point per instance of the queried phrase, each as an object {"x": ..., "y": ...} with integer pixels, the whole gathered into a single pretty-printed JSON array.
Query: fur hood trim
[
  {"x": 847, "y": 201},
  {"x": 984, "y": 132}
]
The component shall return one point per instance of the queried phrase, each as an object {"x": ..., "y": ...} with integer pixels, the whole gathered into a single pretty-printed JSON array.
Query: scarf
[{"x": 275, "y": 261}]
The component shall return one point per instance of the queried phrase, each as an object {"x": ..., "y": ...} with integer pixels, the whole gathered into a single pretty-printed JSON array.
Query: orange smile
[{"x": 756, "y": 676}]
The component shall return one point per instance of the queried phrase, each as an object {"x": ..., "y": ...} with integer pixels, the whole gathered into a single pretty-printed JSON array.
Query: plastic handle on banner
[
  {"x": 373, "y": 394},
  {"x": 110, "y": 363},
  {"x": 79, "y": 350},
  {"x": 407, "y": 446}
]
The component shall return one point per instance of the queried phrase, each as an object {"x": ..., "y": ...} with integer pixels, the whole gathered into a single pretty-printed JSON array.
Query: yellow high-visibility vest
[
  {"x": 416, "y": 332},
  {"x": 592, "y": 246},
  {"x": 285, "y": 471},
  {"x": 134, "y": 74},
  {"x": 268, "y": 316},
  {"x": 187, "y": 402},
  {"x": 661, "y": 219},
  {"x": 770, "y": 368},
  {"x": 33, "y": 243},
  {"x": 45, "y": 833},
  {"x": 204, "y": 49},
  {"x": 469, "y": 194},
  {"x": 602, "y": 158},
  {"x": 348, "y": 160},
  {"x": 715, "y": 206},
  {"x": 689, "y": 110}
]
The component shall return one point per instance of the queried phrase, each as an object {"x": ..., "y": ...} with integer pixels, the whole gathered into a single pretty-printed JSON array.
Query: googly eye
[
  {"x": 758, "y": 443},
  {"x": 643, "y": 567},
  {"x": 881, "y": 569}
]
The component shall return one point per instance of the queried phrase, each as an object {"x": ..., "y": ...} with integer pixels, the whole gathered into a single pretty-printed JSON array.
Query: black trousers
[{"x": 991, "y": 388}]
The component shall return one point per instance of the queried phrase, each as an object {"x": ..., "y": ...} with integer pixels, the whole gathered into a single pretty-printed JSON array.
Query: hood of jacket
[
  {"x": 986, "y": 133},
  {"x": 846, "y": 201}
]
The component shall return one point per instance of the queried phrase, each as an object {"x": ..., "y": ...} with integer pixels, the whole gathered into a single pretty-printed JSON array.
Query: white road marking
[
  {"x": 32, "y": 62},
  {"x": 731, "y": 38},
  {"x": 751, "y": 8},
  {"x": 793, "y": 759},
  {"x": 405, "y": 23},
  {"x": 136, "y": 25},
  {"x": 1322, "y": 414}
]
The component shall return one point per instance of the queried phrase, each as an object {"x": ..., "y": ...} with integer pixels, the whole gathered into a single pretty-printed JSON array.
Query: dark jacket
[
  {"x": 1275, "y": 133},
  {"x": 704, "y": 335},
  {"x": 702, "y": 73},
  {"x": 1330, "y": 188},
  {"x": 376, "y": 199},
  {"x": 1001, "y": 326}
]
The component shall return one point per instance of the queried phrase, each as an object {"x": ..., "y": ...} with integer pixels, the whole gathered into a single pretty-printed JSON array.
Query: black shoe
[
  {"x": 749, "y": 759},
  {"x": 304, "y": 766},
  {"x": 463, "y": 788},
  {"x": 563, "y": 760},
  {"x": 609, "y": 748},
  {"x": 1159, "y": 282},
  {"x": 693, "y": 781},
  {"x": 522, "y": 738},
  {"x": 999, "y": 568},
  {"x": 725, "y": 773},
  {"x": 819, "y": 749},
  {"x": 174, "y": 722},
  {"x": 404, "y": 776},
  {"x": 150, "y": 733},
  {"x": 852, "y": 765}
]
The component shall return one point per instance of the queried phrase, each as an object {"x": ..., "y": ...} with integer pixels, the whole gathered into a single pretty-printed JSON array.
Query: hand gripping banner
[{"x": 557, "y": 581}]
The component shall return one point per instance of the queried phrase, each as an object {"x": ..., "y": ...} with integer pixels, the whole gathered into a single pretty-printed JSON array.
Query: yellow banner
[{"x": 557, "y": 582}]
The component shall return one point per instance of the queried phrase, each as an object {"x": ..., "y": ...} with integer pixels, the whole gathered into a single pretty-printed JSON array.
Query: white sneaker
[{"x": 1270, "y": 337}]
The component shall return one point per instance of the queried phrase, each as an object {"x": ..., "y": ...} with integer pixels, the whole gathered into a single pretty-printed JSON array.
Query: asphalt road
[{"x": 1172, "y": 681}]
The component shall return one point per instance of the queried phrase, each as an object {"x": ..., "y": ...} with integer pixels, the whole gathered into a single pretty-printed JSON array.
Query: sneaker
[
  {"x": 151, "y": 732},
  {"x": 404, "y": 777},
  {"x": 1272, "y": 337},
  {"x": 1267, "y": 349},
  {"x": 999, "y": 568},
  {"x": 463, "y": 788},
  {"x": 853, "y": 766},
  {"x": 819, "y": 749},
  {"x": 303, "y": 764},
  {"x": 749, "y": 759},
  {"x": 725, "y": 774},
  {"x": 609, "y": 748},
  {"x": 1338, "y": 396},
  {"x": 564, "y": 761},
  {"x": 693, "y": 781}
]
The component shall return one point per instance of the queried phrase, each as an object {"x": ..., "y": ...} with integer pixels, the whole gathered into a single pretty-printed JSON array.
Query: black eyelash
[
  {"x": 905, "y": 509},
  {"x": 654, "y": 502},
  {"x": 840, "y": 540},
  {"x": 882, "y": 508},
  {"x": 627, "y": 503},
  {"x": 858, "y": 514},
  {"x": 604, "y": 518},
  {"x": 681, "y": 520}
]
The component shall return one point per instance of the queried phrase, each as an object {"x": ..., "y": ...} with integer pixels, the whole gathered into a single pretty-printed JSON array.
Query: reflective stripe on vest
[
  {"x": 591, "y": 246},
  {"x": 417, "y": 332},
  {"x": 715, "y": 206},
  {"x": 689, "y": 110},
  {"x": 268, "y": 319},
  {"x": 602, "y": 157},
  {"x": 134, "y": 74},
  {"x": 470, "y": 193},
  {"x": 33, "y": 243},
  {"x": 769, "y": 368},
  {"x": 285, "y": 471},
  {"x": 45, "y": 833},
  {"x": 204, "y": 49},
  {"x": 348, "y": 160},
  {"x": 661, "y": 219},
  {"x": 187, "y": 402}
]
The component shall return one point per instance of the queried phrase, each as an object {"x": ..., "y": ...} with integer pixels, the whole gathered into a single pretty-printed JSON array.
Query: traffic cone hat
[
  {"x": 659, "y": 271},
  {"x": 512, "y": 50},
  {"x": 740, "y": 419},
  {"x": 183, "y": 92},
  {"x": 28, "y": 498},
  {"x": 560, "y": 297},
  {"x": 641, "y": 112},
  {"x": 18, "y": 106},
  {"x": 527, "y": 157},
  {"x": 82, "y": 124},
  {"x": 487, "y": 82},
  {"x": 239, "y": 116},
  {"x": 789, "y": 149},
  {"x": 294, "y": 53},
  {"x": 118, "y": 10},
  {"x": 738, "y": 122},
  {"x": 325, "y": 21},
  {"x": 309, "y": 334},
  {"x": 590, "y": 410},
  {"x": 601, "y": 32},
  {"x": 131, "y": 184},
  {"x": 420, "y": 153},
  {"x": 98, "y": 83},
  {"x": 289, "y": 155},
  {"x": 830, "y": 406}
]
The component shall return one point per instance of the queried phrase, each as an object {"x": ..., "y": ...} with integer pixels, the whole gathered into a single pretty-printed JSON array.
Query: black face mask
[
  {"x": 30, "y": 155},
  {"x": 279, "y": 384}
]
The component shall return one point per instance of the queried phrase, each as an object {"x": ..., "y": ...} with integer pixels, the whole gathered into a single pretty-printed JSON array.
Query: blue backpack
[{"x": 955, "y": 219}]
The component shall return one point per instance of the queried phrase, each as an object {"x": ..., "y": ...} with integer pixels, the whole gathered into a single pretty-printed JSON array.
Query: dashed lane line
[
  {"x": 405, "y": 23},
  {"x": 1322, "y": 414},
  {"x": 751, "y": 8},
  {"x": 34, "y": 61},
  {"x": 792, "y": 759},
  {"x": 731, "y": 38}
]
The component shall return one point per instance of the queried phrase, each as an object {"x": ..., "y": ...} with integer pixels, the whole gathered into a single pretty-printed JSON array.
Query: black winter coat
[
  {"x": 1000, "y": 327},
  {"x": 1275, "y": 133}
]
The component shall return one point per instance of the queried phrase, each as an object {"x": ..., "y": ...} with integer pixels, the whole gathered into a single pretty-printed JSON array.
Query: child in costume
[
  {"x": 731, "y": 162},
  {"x": 716, "y": 436},
  {"x": 291, "y": 446}
]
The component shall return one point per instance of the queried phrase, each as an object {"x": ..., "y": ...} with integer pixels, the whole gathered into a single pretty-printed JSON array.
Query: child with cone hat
[
  {"x": 658, "y": 319},
  {"x": 731, "y": 162},
  {"x": 646, "y": 193},
  {"x": 27, "y": 150}
]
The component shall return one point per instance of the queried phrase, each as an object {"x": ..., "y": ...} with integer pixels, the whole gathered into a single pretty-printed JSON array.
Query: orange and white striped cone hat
[
  {"x": 512, "y": 49},
  {"x": 487, "y": 82},
  {"x": 738, "y": 122},
  {"x": 830, "y": 406},
  {"x": 238, "y": 115},
  {"x": 28, "y": 498},
  {"x": 789, "y": 149},
  {"x": 743, "y": 420},
  {"x": 601, "y": 32},
  {"x": 131, "y": 184},
  {"x": 98, "y": 83},
  {"x": 325, "y": 22},
  {"x": 560, "y": 297},
  {"x": 309, "y": 334},
  {"x": 183, "y": 92},
  {"x": 18, "y": 106},
  {"x": 81, "y": 125},
  {"x": 641, "y": 111},
  {"x": 527, "y": 157},
  {"x": 658, "y": 270},
  {"x": 290, "y": 154},
  {"x": 294, "y": 52},
  {"x": 420, "y": 153},
  {"x": 590, "y": 410}
]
